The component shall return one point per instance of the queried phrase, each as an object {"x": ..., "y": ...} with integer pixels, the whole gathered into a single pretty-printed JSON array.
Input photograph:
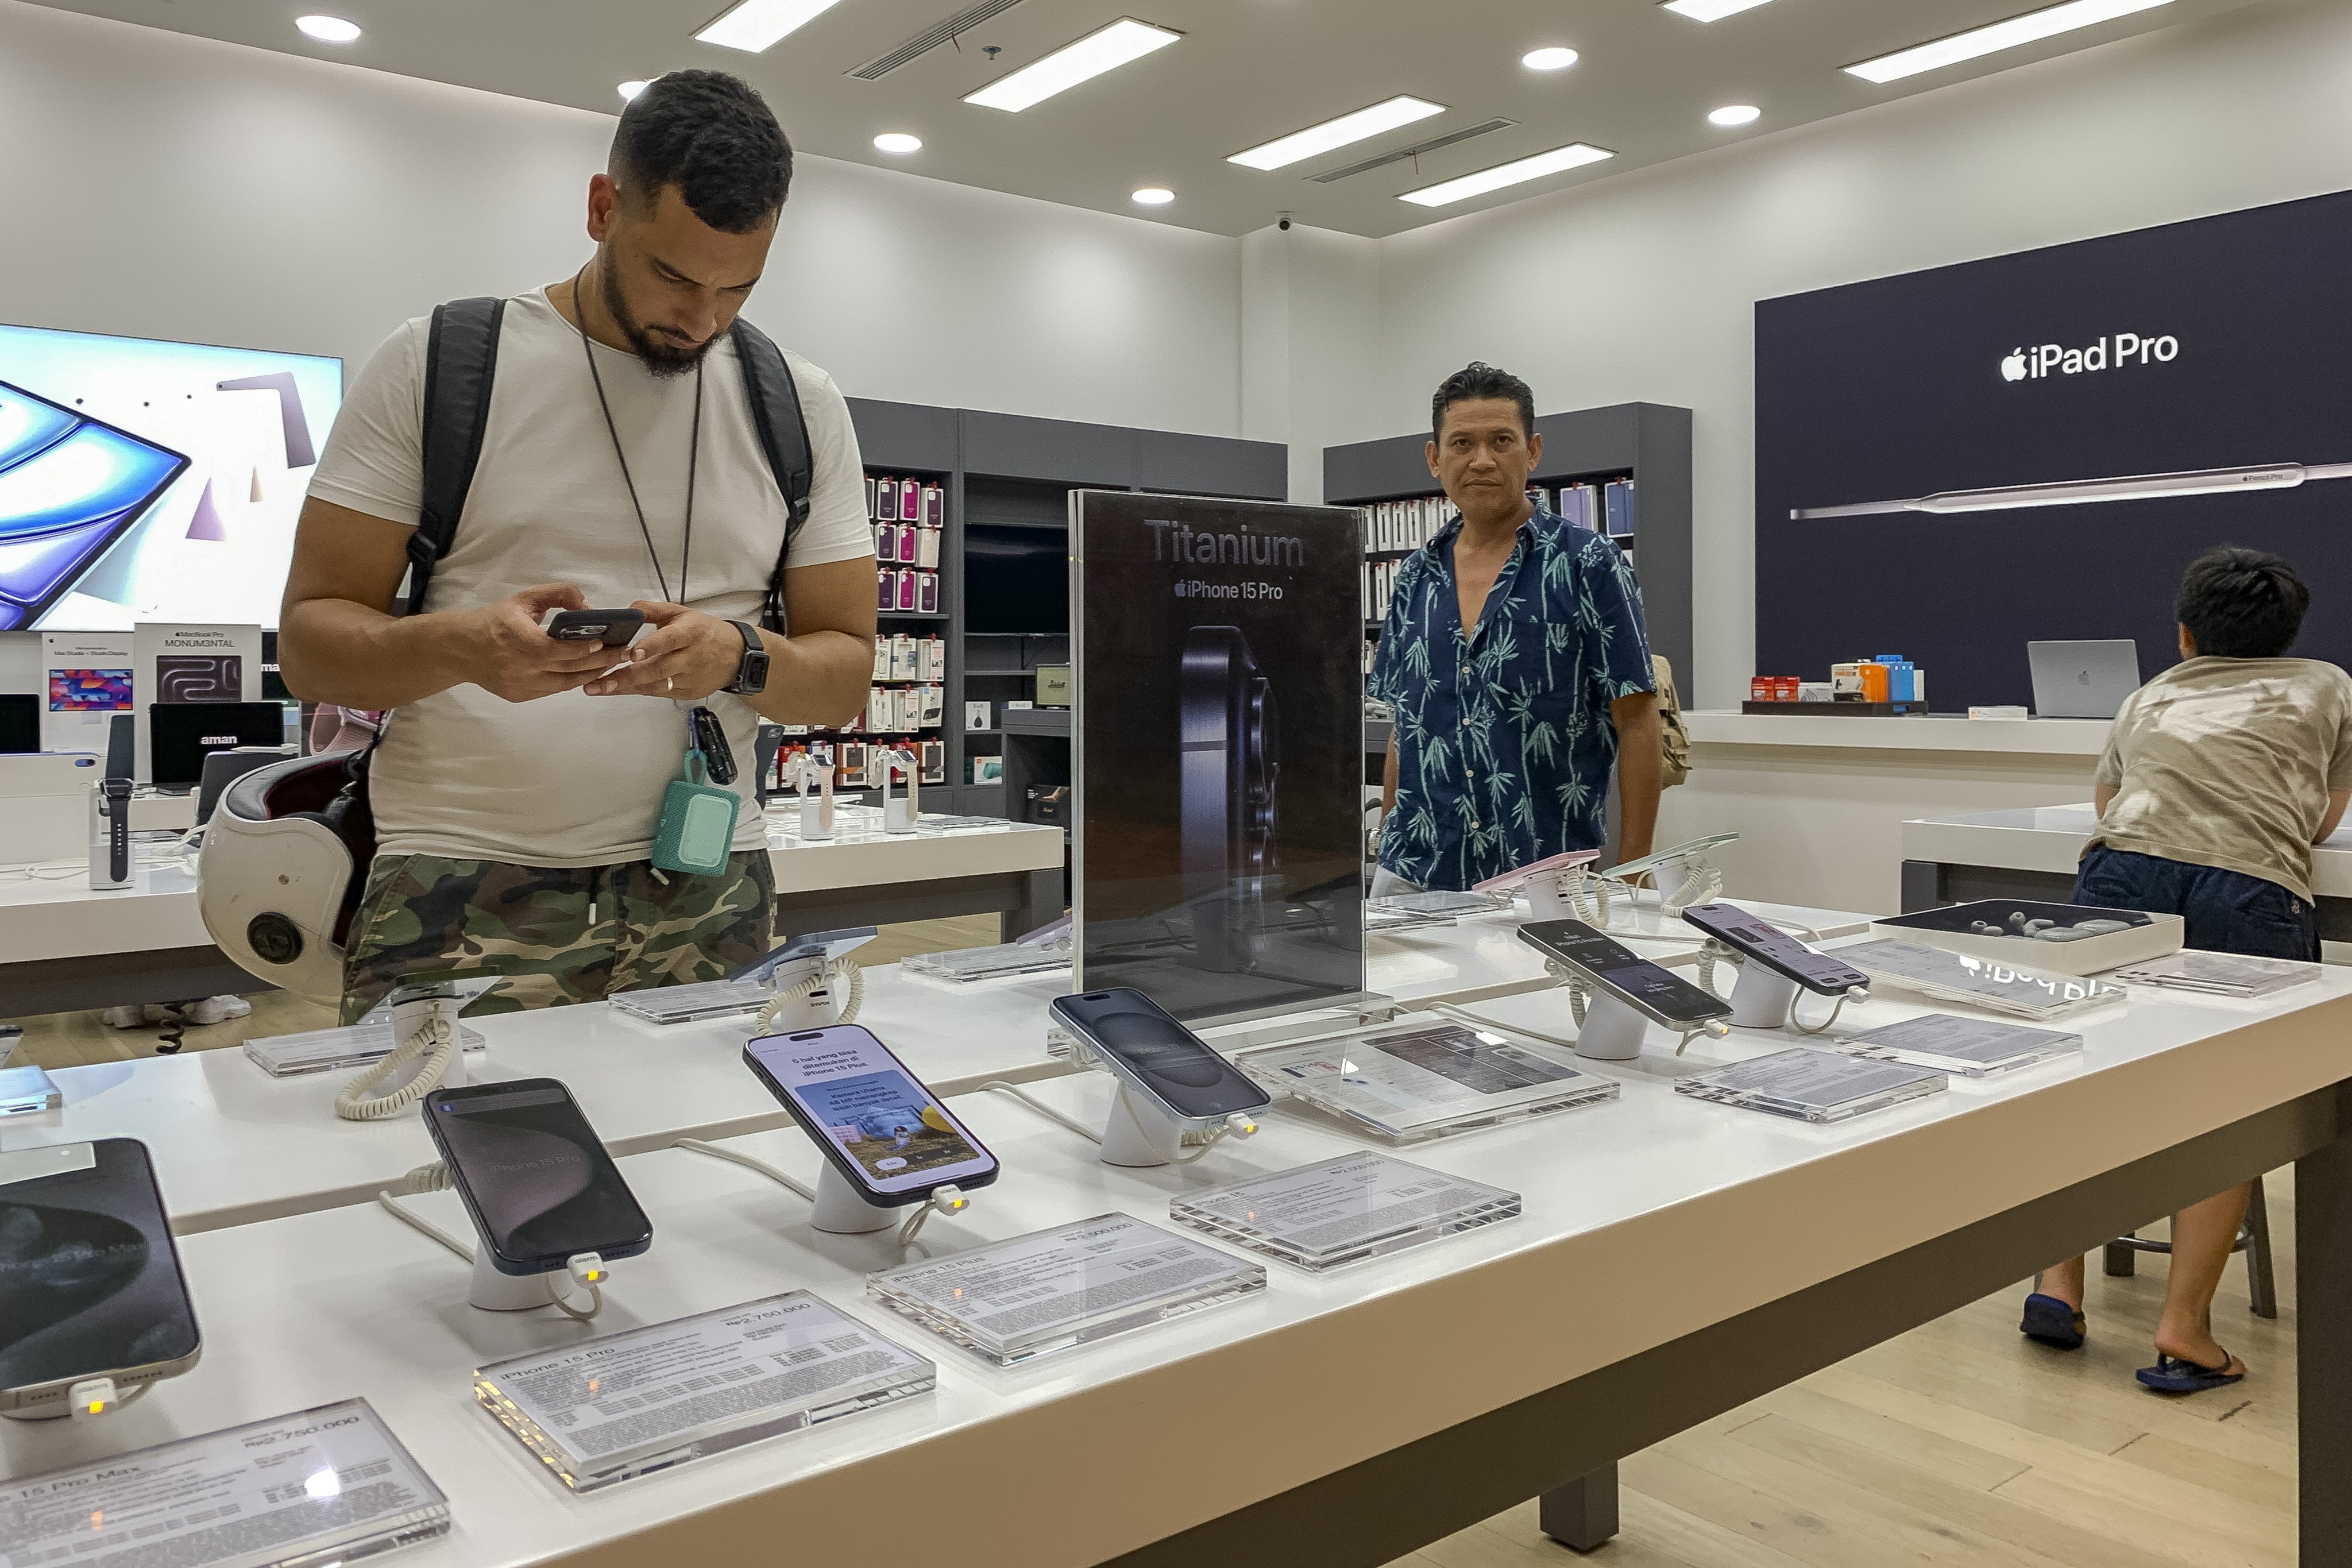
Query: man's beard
[{"x": 660, "y": 358}]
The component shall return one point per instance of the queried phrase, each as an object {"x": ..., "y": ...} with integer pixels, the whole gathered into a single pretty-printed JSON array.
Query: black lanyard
[{"x": 693, "y": 457}]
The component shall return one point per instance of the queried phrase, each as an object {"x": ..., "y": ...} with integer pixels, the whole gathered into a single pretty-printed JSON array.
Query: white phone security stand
[
  {"x": 1548, "y": 897},
  {"x": 901, "y": 815},
  {"x": 409, "y": 1017},
  {"x": 805, "y": 996},
  {"x": 816, "y": 812},
  {"x": 1137, "y": 1134},
  {"x": 1761, "y": 999},
  {"x": 841, "y": 1211},
  {"x": 493, "y": 1292},
  {"x": 1611, "y": 1031}
]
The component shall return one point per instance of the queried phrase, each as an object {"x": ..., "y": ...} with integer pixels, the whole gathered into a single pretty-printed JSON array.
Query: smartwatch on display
[{"x": 751, "y": 675}]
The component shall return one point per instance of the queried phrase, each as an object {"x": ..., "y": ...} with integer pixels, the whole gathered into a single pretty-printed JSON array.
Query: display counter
[
  {"x": 64, "y": 946},
  {"x": 234, "y": 1145},
  {"x": 1820, "y": 802},
  {"x": 2032, "y": 854},
  {"x": 1675, "y": 1259}
]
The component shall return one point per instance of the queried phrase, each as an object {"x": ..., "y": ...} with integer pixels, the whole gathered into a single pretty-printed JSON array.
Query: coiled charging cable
[
  {"x": 586, "y": 1270},
  {"x": 435, "y": 1041}
]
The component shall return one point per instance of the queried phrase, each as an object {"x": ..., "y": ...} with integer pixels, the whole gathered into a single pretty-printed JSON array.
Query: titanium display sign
[
  {"x": 1217, "y": 742},
  {"x": 1953, "y": 463}
]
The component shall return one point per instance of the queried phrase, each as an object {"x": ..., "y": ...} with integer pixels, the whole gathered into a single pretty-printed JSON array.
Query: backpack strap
[
  {"x": 783, "y": 435},
  {"x": 461, "y": 355}
]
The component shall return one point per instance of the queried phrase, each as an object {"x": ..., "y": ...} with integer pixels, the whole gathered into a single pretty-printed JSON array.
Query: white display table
[
  {"x": 63, "y": 946},
  {"x": 1675, "y": 1260},
  {"x": 233, "y": 1145},
  {"x": 2032, "y": 854},
  {"x": 1820, "y": 802}
]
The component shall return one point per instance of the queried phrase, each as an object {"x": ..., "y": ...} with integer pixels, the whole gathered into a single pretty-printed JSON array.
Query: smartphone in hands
[{"x": 614, "y": 628}]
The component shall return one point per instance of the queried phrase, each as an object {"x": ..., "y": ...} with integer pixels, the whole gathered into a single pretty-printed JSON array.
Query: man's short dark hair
[
  {"x": 710, "y": 135},
  {"x": 1476, "y": 382},
  {"x": 2241, "y": 604}
]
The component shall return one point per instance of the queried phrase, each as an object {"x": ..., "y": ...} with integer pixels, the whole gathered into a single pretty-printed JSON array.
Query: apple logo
[
  {"x": 2083, "y": 678},
  {"x": 2013, "y": 367}
]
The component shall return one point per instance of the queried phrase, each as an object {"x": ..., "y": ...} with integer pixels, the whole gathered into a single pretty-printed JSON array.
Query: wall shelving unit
[{"x": 1005, "y": 558}]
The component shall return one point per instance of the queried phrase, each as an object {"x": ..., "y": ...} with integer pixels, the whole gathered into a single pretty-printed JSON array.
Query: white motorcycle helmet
[{"x": 284, "y": 863}]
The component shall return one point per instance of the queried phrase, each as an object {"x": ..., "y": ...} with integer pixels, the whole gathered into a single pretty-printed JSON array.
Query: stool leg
[
  {"x": 2262, "y": 1283},
  {"x": 2121, "y": 1262},
  {"x": 1582, "y": 1515}
]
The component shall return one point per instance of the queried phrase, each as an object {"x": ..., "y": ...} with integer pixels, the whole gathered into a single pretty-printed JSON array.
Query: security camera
[{"x": 1285, "y": 225}]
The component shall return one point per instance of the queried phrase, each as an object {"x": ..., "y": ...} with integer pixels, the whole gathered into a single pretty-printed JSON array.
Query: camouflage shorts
[{"x": 561, "y": 935}]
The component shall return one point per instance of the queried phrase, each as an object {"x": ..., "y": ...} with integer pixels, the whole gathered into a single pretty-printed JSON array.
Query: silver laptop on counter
[{"x": 2083, "y": 679}]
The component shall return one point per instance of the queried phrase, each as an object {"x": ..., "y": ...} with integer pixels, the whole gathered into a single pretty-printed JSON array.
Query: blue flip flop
[
  {"x": 2053, "y": 1323},
  {"x": 2172, "y": 1375}
]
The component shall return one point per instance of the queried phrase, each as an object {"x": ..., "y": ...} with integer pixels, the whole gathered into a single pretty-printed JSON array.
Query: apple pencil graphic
[{"x": 2082, "y": 492}]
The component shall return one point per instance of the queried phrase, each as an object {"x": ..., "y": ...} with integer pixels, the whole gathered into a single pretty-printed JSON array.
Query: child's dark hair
[{"x": 2241, "y": 604}]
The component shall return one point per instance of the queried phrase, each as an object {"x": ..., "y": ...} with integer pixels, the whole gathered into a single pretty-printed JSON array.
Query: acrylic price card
[
  {"x": 327, "y": 1050},
  {"x": 1342, "y": 1211},
  {"x": 1070, "y": 1286},
  {"x": 1973, "y": 1047},
  {"x": 310, "y": 1488},
  {"x": 630, "y": 1403},
  {"x": 665, "y": 1005},
  {"x": 1813, "y": 1086},
  {"x": 1409, "y": 1084}
]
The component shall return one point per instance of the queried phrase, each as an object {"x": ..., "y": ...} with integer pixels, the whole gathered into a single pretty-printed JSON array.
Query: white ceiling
[{"x": 1246, "y": 71}]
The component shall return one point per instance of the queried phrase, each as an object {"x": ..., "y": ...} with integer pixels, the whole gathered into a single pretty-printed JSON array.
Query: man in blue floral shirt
[{"x": 1516, "y": 662}]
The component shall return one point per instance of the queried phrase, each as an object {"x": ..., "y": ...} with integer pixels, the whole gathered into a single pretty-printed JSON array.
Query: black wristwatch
[{"x": 751, "y": 675}]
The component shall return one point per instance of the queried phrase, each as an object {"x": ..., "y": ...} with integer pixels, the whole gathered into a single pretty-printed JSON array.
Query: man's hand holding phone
[
  {"x": 686, "y": 655},
  {"x": 509, "y": 655}
]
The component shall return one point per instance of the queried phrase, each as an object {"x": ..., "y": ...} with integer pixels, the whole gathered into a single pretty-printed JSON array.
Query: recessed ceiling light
[
  {"x": 1734, "y": 114},
  {"x": 2031, "y": 27},
  {"x": 1318, "y": 139},
  {"x": 1124, "y": 40},
  {"x": 898, "y": 141},
  {"x": 1576, "y": 154},
  {"x": 629, "y": 90},
  {"x": 1155, "y": 195},
  {"x": 328, "y": 29},
  {"x": 1549, "y": 59},
  {"x": 757, "y": 24},
  {"x": 1710, "y": 10}
]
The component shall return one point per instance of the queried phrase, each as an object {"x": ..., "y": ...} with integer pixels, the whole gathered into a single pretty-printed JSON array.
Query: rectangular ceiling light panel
[
  {"x": 1575, "y": 155},
  {"x": 1710, "y": 10},
  {"x": 1317, "y": 139},
  {"x": 1123, "y": 42},
  {"x": 757, "y": 24},
  {"x": 2030, "y": 28}
]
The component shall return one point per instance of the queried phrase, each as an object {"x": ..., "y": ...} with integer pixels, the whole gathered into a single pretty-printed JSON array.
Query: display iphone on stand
[
  {"x": 1616, "y": 970},
  {"x": 870, "y": 1118}
]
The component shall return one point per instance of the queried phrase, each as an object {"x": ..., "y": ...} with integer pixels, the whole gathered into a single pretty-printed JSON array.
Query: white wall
[
  {"x": 1642, "y": 287},
  {"x": 1309, "y": 297},
  {"x": 162, "y": 185}
]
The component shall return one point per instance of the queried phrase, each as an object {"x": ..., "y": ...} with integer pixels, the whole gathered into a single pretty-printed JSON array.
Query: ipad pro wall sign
[{"x": 2055, "y": 359}]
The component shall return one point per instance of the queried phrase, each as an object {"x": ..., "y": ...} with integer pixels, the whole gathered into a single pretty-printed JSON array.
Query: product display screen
[
  {"x": 89, "y": 1280},
  {"x": 143, "y": 480},
  {"x": 1775, "y": 948},
  {"x": 1143, "y": 1044},
  {"x": 1635, "y": 980},
  {"x": 1220, "y": 749},
  {"x": 2151, "y": 358},
  {"x": 851, "y": 1092},
  {"x": 534, "y": 1172},
  {"x": 184, "y": 733}
]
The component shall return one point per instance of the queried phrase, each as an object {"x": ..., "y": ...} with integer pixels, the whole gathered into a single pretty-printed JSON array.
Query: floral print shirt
[{"x": 1504, "y": 738}]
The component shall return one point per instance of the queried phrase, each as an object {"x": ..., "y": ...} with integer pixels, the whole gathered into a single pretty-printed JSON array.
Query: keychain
[{"x": 698, "y": 818}]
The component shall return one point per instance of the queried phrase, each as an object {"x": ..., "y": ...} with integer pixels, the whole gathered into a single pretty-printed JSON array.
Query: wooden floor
[
  {"x": 1964, "y": 1442},
  {"x": 73, "y": 1039}
]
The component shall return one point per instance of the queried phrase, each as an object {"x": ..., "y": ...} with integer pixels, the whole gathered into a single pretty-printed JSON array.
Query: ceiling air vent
[
  {"x": 1402, "y": 154},
  {"x": 924, "y": 42}
]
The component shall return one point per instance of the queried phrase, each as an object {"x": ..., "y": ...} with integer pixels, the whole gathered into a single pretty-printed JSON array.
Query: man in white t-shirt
[{"x": 519, "y": 786}]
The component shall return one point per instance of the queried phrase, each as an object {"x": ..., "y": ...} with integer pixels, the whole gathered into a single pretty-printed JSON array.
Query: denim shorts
[{"x": 2227, "y": 911}]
